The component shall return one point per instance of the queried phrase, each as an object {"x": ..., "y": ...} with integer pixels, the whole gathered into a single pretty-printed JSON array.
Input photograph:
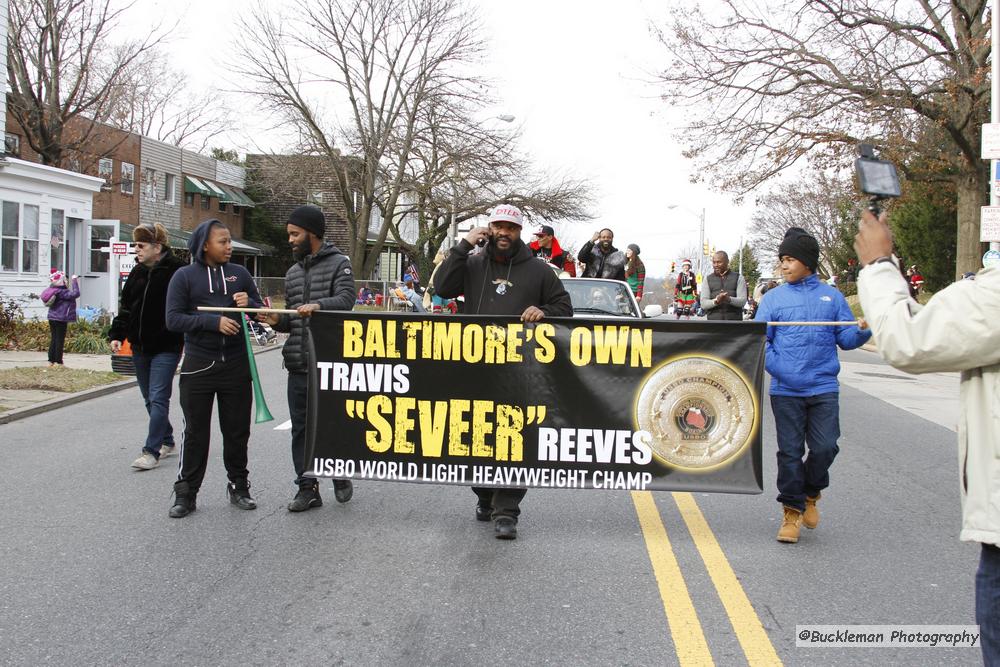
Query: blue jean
[
  {"x": 798, "y": 421},
  {"x": 155, "y": 373},
  {"x": 988, "y": 604}
]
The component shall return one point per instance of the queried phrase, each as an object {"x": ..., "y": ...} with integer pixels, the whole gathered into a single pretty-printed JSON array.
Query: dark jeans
[
  {"x": 202, "y": 383},
  {"x": 988, "y": 604},
  {"x": 155, "y": 374},
  {"x": 505, "y": 502},
  {"x": 798, "y": 421},
  {"x": 58, "y": 341},
  {"x": 298, "y": 384}
]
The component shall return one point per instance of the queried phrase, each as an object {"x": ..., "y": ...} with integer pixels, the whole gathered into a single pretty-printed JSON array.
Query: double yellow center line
[{"x": 682, "y": 618}]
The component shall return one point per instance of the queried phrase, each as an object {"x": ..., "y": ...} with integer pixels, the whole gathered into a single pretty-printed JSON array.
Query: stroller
[{"x": 261, "y": 333}]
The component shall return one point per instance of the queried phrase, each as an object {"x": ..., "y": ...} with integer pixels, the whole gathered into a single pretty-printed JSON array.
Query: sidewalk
[{"x": 20, "y": 403}]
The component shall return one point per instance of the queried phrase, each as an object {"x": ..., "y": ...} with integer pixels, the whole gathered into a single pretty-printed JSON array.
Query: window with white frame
[
  {"x": 149, "y": 184},
  {"x": 105, "y": 170},
  {"x": 100, "y": 238},
  {"x": 12, "y": 144},
  {"x": 128, "y": 178},
  {"x": 19, "y": 237},
  {"x": 169, "y": 188}
]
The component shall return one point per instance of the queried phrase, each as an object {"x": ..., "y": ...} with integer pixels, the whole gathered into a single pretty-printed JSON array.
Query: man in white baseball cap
[{"x": 505, "y": 279}]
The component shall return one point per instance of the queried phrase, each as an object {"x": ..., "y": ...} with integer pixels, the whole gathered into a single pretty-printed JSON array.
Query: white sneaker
[
  {"x": 145, "y": 462},
  {"x": 166, "y": 450}
]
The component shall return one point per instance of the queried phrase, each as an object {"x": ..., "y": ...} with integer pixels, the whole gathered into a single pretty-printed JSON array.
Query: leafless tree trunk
[
  {"x": 378, "y": 61},
  {"x": 778, "y": 82},
  {"x": 62, "y": 67},
  {"x": 398, "y": 121}
]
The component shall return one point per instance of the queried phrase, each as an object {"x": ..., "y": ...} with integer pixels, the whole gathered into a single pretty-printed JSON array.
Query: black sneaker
[
  {"x": 307, "y": 498},
  {"x": 483, "y": 512},
  {"x": 342, "y": 490},
  {"x": 184, "y": 501},
  {"x": 239, "y": 494},
  {"x": 505, "y": 528}
]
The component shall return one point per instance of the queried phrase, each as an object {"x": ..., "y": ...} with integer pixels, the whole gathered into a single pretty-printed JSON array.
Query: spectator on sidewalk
[
  {"x": 955, "y": 331},
  {"x": 156, "y": 351},
  {"x": 805, "y": 392},
  {"x": 215, "y": 366},
  {"x": 61, "y": 301}
]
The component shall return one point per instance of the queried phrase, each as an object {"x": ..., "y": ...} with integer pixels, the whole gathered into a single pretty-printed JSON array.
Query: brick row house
[{"x": 124, "y": 180}]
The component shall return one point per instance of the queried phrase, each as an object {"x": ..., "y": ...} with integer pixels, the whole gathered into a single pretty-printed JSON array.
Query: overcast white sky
[{"x": 575, "y": 75}]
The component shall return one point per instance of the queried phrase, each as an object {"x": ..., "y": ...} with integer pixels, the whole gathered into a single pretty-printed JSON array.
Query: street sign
[
  {"x": 989, "y": 223},
  {"x": 119, "y": 248},
  {"x": 991, "y": 141},
  {"x": 991, "y": 258}
]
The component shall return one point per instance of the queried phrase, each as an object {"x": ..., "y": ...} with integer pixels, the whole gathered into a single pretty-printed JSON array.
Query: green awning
[
  {"x": 193, "y": 185},
  {"x": 249, "y": 203},
  {"x": 216, "y": 190},
  {"x": 228, "y": 196}
]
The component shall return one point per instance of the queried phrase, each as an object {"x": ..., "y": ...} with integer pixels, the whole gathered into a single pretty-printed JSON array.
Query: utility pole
[{"x": 994, "y": 106}]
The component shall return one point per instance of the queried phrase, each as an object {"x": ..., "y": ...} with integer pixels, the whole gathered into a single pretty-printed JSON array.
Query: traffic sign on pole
[{"x": 989, "y": 223}]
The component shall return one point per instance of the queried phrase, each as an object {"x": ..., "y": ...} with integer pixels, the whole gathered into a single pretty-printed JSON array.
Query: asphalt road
[{"x": 94, "y": 572}]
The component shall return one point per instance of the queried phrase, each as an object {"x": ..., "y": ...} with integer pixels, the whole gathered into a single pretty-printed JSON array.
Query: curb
[{"x": 80, "y": 396}]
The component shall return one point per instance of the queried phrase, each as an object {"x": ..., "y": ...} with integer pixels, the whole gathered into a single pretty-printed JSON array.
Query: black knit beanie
[
  {"x": 798, "y": 243},
  {"x": 634, "y": 248},
  {"x": 310, "y": 219}
]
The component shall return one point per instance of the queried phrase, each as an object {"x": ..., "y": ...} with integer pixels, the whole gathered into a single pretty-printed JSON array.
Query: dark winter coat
[
  {"x": 142, "y": 315},
  {"x": 522, "y": 281},
  {"x": 199, "y": 284},
  {"x": 64, "y": 309},
  {"x": 324, "y": 278},
  {"x": 600, "y": 264}
]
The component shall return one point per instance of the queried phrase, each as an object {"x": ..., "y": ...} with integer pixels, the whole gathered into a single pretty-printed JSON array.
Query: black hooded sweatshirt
[
  {"x": 497, "y": 286},
  {"x": 199, "y": 284},
  {"x": 142, "y": 317}
]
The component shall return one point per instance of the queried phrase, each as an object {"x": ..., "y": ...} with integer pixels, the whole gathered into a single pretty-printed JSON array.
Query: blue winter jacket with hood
[
  {"x": 199, "y": 284},
  {"x": 803, "y": 360}
]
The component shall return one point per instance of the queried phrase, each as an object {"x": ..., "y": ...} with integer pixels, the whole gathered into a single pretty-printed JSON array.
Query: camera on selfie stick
[{"x": 876, "y": 178}]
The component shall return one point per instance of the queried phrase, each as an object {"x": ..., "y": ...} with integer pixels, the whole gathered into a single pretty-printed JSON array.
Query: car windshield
[{"x": 598, "y": 297}]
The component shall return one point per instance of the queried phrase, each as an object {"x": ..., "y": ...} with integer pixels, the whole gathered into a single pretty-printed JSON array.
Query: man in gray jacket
[
  {"x": 955, "y": 331},
  {"x": 320, "y": 279},
  {"x": 723, "y": 293}
]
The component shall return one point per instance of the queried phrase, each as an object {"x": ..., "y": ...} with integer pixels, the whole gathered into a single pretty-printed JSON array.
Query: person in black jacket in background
[
  {"x": 215, "y": 364},
  {"x": 142, "y": 320},
  {"x": 504, "y": 279},
  {"x": 320, "y": 279}
]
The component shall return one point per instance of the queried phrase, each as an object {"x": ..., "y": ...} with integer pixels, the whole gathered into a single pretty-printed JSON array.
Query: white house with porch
[{"x": 46, "y": 224}]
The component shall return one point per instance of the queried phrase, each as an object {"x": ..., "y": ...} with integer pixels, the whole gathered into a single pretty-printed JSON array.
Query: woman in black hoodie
[
  {"x": 215, "y": 364},
  {"x": 142, "y": 320}
]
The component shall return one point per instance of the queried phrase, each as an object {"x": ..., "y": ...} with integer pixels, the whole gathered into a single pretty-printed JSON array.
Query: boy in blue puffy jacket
[{"x": 805, "y": 393}]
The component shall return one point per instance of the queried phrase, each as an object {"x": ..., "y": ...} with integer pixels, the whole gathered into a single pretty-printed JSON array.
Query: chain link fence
[{"x": 369, "y": 295}]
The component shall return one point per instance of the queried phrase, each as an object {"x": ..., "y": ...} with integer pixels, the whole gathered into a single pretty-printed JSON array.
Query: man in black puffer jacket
[
  {"x": 156, "y": 351},
  {"x": 320, "y": 279},
  {"x": 504, "y": 279}
]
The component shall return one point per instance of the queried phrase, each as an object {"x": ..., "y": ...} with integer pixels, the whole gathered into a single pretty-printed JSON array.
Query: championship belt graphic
[{"x": 700, "y": 411}]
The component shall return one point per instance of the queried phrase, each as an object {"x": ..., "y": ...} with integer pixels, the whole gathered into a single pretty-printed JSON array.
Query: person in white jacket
[{"x": 957, "y": 330}]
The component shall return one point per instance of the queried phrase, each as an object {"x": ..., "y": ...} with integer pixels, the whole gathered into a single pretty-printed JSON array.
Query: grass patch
[{"x": 68, "y": 380}]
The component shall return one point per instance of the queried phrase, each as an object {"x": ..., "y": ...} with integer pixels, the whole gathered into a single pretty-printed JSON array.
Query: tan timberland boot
[
  {"x": 790, "y": 526},
  {"x": 810, "y": 518}
]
